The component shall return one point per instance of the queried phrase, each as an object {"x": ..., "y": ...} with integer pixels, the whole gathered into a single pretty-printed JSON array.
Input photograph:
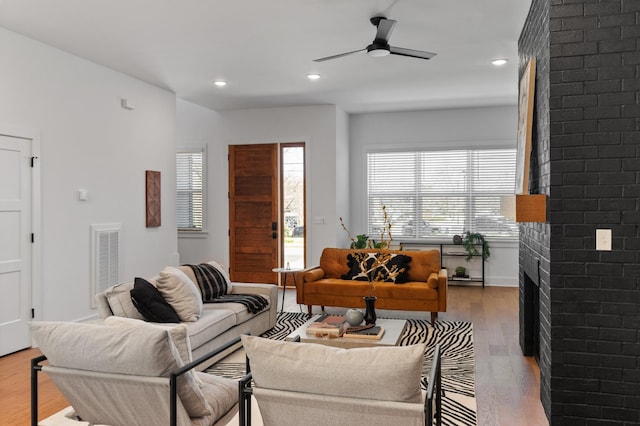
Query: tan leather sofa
[{"x": 425, "y": 291}]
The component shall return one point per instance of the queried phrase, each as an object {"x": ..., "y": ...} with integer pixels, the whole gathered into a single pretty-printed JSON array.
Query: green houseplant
[
  {"x": 471, "y": 241},
  {"x": 460, "y": 271}
]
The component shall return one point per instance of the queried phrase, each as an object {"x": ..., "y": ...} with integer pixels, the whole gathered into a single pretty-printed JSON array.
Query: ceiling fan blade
[
  {"x": 411, "y": 52},
  {"x": 328, "y": 58},
  {"x": 385, "y": 27}
]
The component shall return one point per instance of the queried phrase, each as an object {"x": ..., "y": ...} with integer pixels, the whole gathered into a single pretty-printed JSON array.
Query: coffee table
[{"x": 393, "y": 330}]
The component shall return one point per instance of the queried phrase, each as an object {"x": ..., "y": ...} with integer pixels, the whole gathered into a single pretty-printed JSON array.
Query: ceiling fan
[{"x": 380, "y": 45}]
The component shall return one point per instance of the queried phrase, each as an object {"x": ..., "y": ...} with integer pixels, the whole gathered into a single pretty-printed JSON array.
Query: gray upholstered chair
[
  {"x": 311, "y": 384},
  {"x": 131, "y": 375}
]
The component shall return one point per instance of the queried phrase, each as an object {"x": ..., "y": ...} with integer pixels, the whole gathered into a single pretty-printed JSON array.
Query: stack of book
[
  {"x": 374, "y": 333},
  {"x": 328, "y": 325}
]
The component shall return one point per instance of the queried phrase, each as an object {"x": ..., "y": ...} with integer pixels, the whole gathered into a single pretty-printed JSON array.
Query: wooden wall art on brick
[{"x": 153, "y": 199}]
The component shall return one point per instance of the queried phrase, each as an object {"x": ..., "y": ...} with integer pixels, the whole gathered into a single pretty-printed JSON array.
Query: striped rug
[{"x": 456, "y": 342}]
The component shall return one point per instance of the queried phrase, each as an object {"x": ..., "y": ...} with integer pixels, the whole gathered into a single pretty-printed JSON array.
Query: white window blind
[
  {"x": 437, "y": 194},
  {"x": 190, "y": 183}
]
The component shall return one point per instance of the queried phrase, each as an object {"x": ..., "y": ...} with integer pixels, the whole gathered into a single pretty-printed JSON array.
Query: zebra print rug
[{"x": 456, "y": 343}]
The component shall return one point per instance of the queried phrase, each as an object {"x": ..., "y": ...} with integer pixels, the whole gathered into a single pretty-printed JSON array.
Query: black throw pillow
[
  {"x": 149, "y": 302},
  {"x": 359, "y": 263},
  {"x": 389, "y": 267}
]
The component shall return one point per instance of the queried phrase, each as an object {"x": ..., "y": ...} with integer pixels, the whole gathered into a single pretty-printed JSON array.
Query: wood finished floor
[{"x": 507, "y": 384}]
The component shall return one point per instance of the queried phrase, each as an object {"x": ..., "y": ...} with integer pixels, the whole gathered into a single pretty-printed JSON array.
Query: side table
[{"x": 284, "y": 272}]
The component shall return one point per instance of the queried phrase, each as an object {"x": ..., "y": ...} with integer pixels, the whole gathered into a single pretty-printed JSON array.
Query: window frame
[
  {"x": 370, "y": 221},
  {"x": 203, "y": 231}
]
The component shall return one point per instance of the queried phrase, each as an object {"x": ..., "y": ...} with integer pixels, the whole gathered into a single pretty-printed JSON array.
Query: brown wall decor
[{"x": 153, "y": 198}]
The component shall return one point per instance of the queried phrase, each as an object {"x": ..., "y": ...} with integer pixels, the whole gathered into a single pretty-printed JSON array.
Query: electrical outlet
[{"x": 603, "y": 239}]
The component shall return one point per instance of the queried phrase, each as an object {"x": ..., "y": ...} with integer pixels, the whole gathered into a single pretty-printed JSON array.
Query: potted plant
[
  {"x": 471, "y": 241},
  {"x": 461, "y": 271},
  {"x": 361, "y": 242}
]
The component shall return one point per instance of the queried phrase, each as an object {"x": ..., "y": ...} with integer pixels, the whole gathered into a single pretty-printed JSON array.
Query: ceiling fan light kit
[
  {"x": 380, "y": 45},
  {"x": 378, "y": 52}
]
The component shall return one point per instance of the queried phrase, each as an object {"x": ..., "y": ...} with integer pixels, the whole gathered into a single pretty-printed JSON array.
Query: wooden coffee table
[{"x": 393, "y": 330}]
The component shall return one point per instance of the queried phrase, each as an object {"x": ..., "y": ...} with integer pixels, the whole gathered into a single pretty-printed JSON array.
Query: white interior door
[{"x": 15, "y": 243}]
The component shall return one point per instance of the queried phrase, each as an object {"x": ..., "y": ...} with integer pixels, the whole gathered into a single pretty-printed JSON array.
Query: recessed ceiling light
[
  {"x": 220, "y": 83},
  {"x": 499, "y": 62},
  {"x": 313, "y": 76}
]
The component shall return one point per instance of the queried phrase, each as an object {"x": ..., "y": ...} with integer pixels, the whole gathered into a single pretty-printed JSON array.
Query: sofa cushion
[
  {"x": 334, "y": 262},
  {"x": 211, "y": 324},
  {"x": 120, "y": 303},
  {"x": 149, "y": 302},
  {"x": 423, "y": 264},
  {"x": 181, "y": 293},
  {"x": 143, "y": 351},
  {"x": 390, "y": 373},
  {"x": 377, "y": 266},
  {"x": 240, "y": 311},
  {"x": 383, "y": 290}
]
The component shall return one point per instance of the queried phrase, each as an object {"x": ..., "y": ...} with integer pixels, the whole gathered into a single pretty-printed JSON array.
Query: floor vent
[{"x": 105, "y": 257}]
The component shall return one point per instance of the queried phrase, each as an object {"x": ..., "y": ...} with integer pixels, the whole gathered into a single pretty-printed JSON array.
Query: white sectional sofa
[{"x": 218, "y": 324}]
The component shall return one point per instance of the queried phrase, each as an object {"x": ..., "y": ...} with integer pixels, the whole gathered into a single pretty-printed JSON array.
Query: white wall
[
  {"x": 469, "y": 127},
  {"x": 88, "y": 141},
  {"x": 198, "y": 127},
  {"x": 343, "y": 206},
  {"x": 314, "y": 125}
]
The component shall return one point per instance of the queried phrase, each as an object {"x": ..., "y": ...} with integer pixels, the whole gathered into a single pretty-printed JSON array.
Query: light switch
[
  {"x": 83, "y": 194},
  {"x": 319, "y": 220},
  {"x": 603, "y": 239}
]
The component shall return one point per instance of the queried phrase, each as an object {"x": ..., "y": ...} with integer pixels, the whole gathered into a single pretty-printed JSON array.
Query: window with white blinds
[
  {"x": 190, "y": 183},
  {"x": 438, "y": 194}
]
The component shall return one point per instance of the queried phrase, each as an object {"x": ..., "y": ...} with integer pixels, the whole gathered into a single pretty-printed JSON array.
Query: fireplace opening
[{"x": 531, "y": 318}]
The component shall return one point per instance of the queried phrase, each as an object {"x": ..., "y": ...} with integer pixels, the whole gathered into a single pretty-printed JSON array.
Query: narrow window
[{"x": 190, "y": 184}]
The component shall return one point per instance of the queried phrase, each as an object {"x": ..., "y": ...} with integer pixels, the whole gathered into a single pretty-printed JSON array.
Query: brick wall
[
  {"x": 589, "y": 165},
  {"x": 535, "y": 252}
]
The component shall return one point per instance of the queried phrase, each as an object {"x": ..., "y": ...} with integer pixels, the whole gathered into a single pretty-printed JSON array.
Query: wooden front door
[{"x": 253, "y": 212}]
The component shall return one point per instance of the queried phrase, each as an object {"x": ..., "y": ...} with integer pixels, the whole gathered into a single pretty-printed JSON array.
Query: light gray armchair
[
  {"x": 310, "y": 384},
  {"x": 131, "y": 375}
]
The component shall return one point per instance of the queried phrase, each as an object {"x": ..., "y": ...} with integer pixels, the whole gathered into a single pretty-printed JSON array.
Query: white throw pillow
[
  {"x": 119, "y": 298},
  {"x": 390, "y": 373},
  {"x": 181, "y": 293}
]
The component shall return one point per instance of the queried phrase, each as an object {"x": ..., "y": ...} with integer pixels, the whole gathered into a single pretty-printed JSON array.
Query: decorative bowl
[{"x": 354, "y": 317}]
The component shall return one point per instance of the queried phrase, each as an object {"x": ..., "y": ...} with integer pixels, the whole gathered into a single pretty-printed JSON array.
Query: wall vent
[{"x": 105, "y": 258}]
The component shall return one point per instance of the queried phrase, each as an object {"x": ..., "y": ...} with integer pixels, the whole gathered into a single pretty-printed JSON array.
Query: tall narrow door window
[{"x": 292, "y": 205}]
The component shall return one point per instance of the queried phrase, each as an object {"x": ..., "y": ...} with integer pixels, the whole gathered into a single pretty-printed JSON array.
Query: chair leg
[
  {"x": 35, "y": 367},
  {"x": 244, "y": 400},
  {"x": 309, "y": 309},
  {"x": 433, "y": 318}
]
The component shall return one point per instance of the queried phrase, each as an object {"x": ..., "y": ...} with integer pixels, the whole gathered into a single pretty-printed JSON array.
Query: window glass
[
  {"x": 190, "y": 183},
  {"x": 437, "y": 194}
]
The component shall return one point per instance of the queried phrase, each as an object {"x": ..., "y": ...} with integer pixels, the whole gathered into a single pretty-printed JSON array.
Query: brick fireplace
[{"x": 580, "y": 308}]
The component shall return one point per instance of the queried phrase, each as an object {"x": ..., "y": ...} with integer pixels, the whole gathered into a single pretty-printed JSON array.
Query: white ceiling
[{"x": 265, "y": 48}]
